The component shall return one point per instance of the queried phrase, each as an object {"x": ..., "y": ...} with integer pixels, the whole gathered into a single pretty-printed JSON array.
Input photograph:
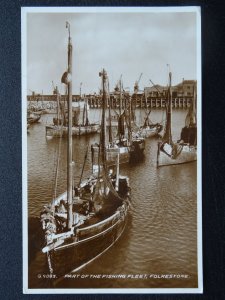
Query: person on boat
[
  {"x": 91, "y": 200},
  {"x": 91, "y": 185},
  {"x": 86, "y": 208},
  {"x": 62, "y": 207},
  {"x": 76, "y": 193},
  {"x": 110, "y": 172},
  {"x": 91, "y": 205}
]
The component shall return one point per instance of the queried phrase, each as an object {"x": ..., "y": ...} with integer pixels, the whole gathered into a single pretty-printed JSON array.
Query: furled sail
[
  {"x": 167, "y": 137},
  {"x": 191, "y": 116},
  {"x": 121, "y": 126},
  {"x": 189, "y": 132},
  {"x": 105, "y": 196}
]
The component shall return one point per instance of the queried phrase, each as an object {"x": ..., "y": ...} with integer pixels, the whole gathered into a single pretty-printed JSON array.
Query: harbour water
[{"x": 161, "y": 234}]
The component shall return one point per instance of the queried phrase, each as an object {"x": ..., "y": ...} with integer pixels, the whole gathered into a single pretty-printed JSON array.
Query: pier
[{"x": 95, "y": 101}]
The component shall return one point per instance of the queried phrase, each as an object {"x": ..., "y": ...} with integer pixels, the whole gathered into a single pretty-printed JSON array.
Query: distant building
[
  {"x": 155, "y": 91},
  {"x": 183, "y": 89}
]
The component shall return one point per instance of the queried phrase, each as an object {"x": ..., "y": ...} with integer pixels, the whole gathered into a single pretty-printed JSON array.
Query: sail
[
  {"x": 105, "y": 186},
  {"x": 167, "y": 137},
  {"x": 76, "y": 116},
  {"x": 190, "y": 120},
  {"x": 87, "y": 123},
  {"x": 67, "y": 79},
  {"x": 110, "y": 123},
  {"x": 189, "y": 132},
  {"x": 121, "y": 126},
  {"x": 85, "y": 120}
]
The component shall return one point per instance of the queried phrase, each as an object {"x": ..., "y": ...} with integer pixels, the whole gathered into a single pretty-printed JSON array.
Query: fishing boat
[
  {"x": 129, "y": 146},
  {"x": 137, "y": 141},
  {"x": 33, "y": 117},
  {"x": 149, "y": 129},
  {"x": 85, "y": 221},
  {"x": 79, "y": 127},
  {"x": 185, "y": 149}
]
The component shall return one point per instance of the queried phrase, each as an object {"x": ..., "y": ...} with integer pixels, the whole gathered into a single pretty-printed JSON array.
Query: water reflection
[{"x": 161, "y": 233}]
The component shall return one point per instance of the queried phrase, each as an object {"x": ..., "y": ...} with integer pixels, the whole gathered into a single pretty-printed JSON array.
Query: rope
[
  {"x": 54, "y": 189},
  {"x": 85, "y": 159}
]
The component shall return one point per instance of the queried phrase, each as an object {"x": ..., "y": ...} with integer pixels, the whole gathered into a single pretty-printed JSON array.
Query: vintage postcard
[{"x": 111, "y": 100}]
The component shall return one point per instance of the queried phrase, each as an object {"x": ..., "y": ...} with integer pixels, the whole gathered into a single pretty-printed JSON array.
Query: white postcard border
[{"x": 24, "y": 12}]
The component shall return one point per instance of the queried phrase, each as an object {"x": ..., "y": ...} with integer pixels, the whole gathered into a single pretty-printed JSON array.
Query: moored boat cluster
[{"x": 87, "y": 219}]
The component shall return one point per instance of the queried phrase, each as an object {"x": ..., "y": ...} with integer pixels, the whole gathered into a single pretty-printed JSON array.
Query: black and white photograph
[{"x": 111, "y": 136}]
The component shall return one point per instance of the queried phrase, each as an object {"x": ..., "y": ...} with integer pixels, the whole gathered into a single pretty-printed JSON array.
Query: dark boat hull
[
  {"x": 91, "y": 243},
  {"x": 137, "y": 150},
  {"x": 34, "y": 119}
]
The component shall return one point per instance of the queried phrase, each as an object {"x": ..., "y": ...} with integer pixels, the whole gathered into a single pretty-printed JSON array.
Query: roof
[{"x": 186, "y": 82}]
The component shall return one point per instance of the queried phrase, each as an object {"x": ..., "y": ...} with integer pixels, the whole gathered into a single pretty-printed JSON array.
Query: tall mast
[
  {"x": 69, "y": 142},
  {"x": 83, "y": 118},
  {"x": 129, "y": 120},
  {"x": 167, "y": 134},
  {"x": 110, "y": 123},
  {"x": 103, "y": 74},
  {"x": 58, "y": 108},
  {"x": 86, "y": 113},
  {"x": 120, "y": 107}
]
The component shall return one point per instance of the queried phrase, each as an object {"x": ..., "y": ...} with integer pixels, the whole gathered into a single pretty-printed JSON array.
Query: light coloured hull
[
  {"x": 147, "y": 132},
  {"x": 112, "y": 154},
  {"x": 126, "y": 153},
  {"x": 58, "y": 131},
  {"x": 187, "y": 154}
]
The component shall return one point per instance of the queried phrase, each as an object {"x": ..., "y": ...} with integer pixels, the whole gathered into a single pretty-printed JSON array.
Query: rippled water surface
[{"x": 161, "y": 234}]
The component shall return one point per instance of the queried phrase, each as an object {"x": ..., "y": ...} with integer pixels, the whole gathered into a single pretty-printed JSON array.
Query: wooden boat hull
[
  {"x": 57, "y": 131},
  {"x": 33, "y": 119},
  {"x": 147, "y": 132},
  {"x": 90, "y": 243},
  {"x": 112, "y": 153},
  {"x": 187, "y": 154},
  {"x": 126, "y": 153},
  {"x": 137, "y": 149}
]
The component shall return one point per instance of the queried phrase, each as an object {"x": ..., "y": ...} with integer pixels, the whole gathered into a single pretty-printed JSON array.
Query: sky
[{"x": 123, "y": 43}]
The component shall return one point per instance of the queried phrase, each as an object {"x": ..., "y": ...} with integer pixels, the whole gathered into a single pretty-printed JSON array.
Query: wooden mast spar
[
  {"x": 167, "y": 137},
  {"x": 68, "y": 81}
]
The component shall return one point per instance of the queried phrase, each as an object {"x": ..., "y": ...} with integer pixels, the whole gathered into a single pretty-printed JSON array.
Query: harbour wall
[{"x": 50, "y": 101}]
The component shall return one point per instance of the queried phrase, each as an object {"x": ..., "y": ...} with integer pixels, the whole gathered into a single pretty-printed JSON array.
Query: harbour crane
[
  {"x": 136, "y": 84},
  {"x": 80, "y": 88},
  {"x": 154, "y": 85},
  {"x": 118, "y": 84},
  {"x": 32, "y": 92},
  {"x": 55, "y": 88}
]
